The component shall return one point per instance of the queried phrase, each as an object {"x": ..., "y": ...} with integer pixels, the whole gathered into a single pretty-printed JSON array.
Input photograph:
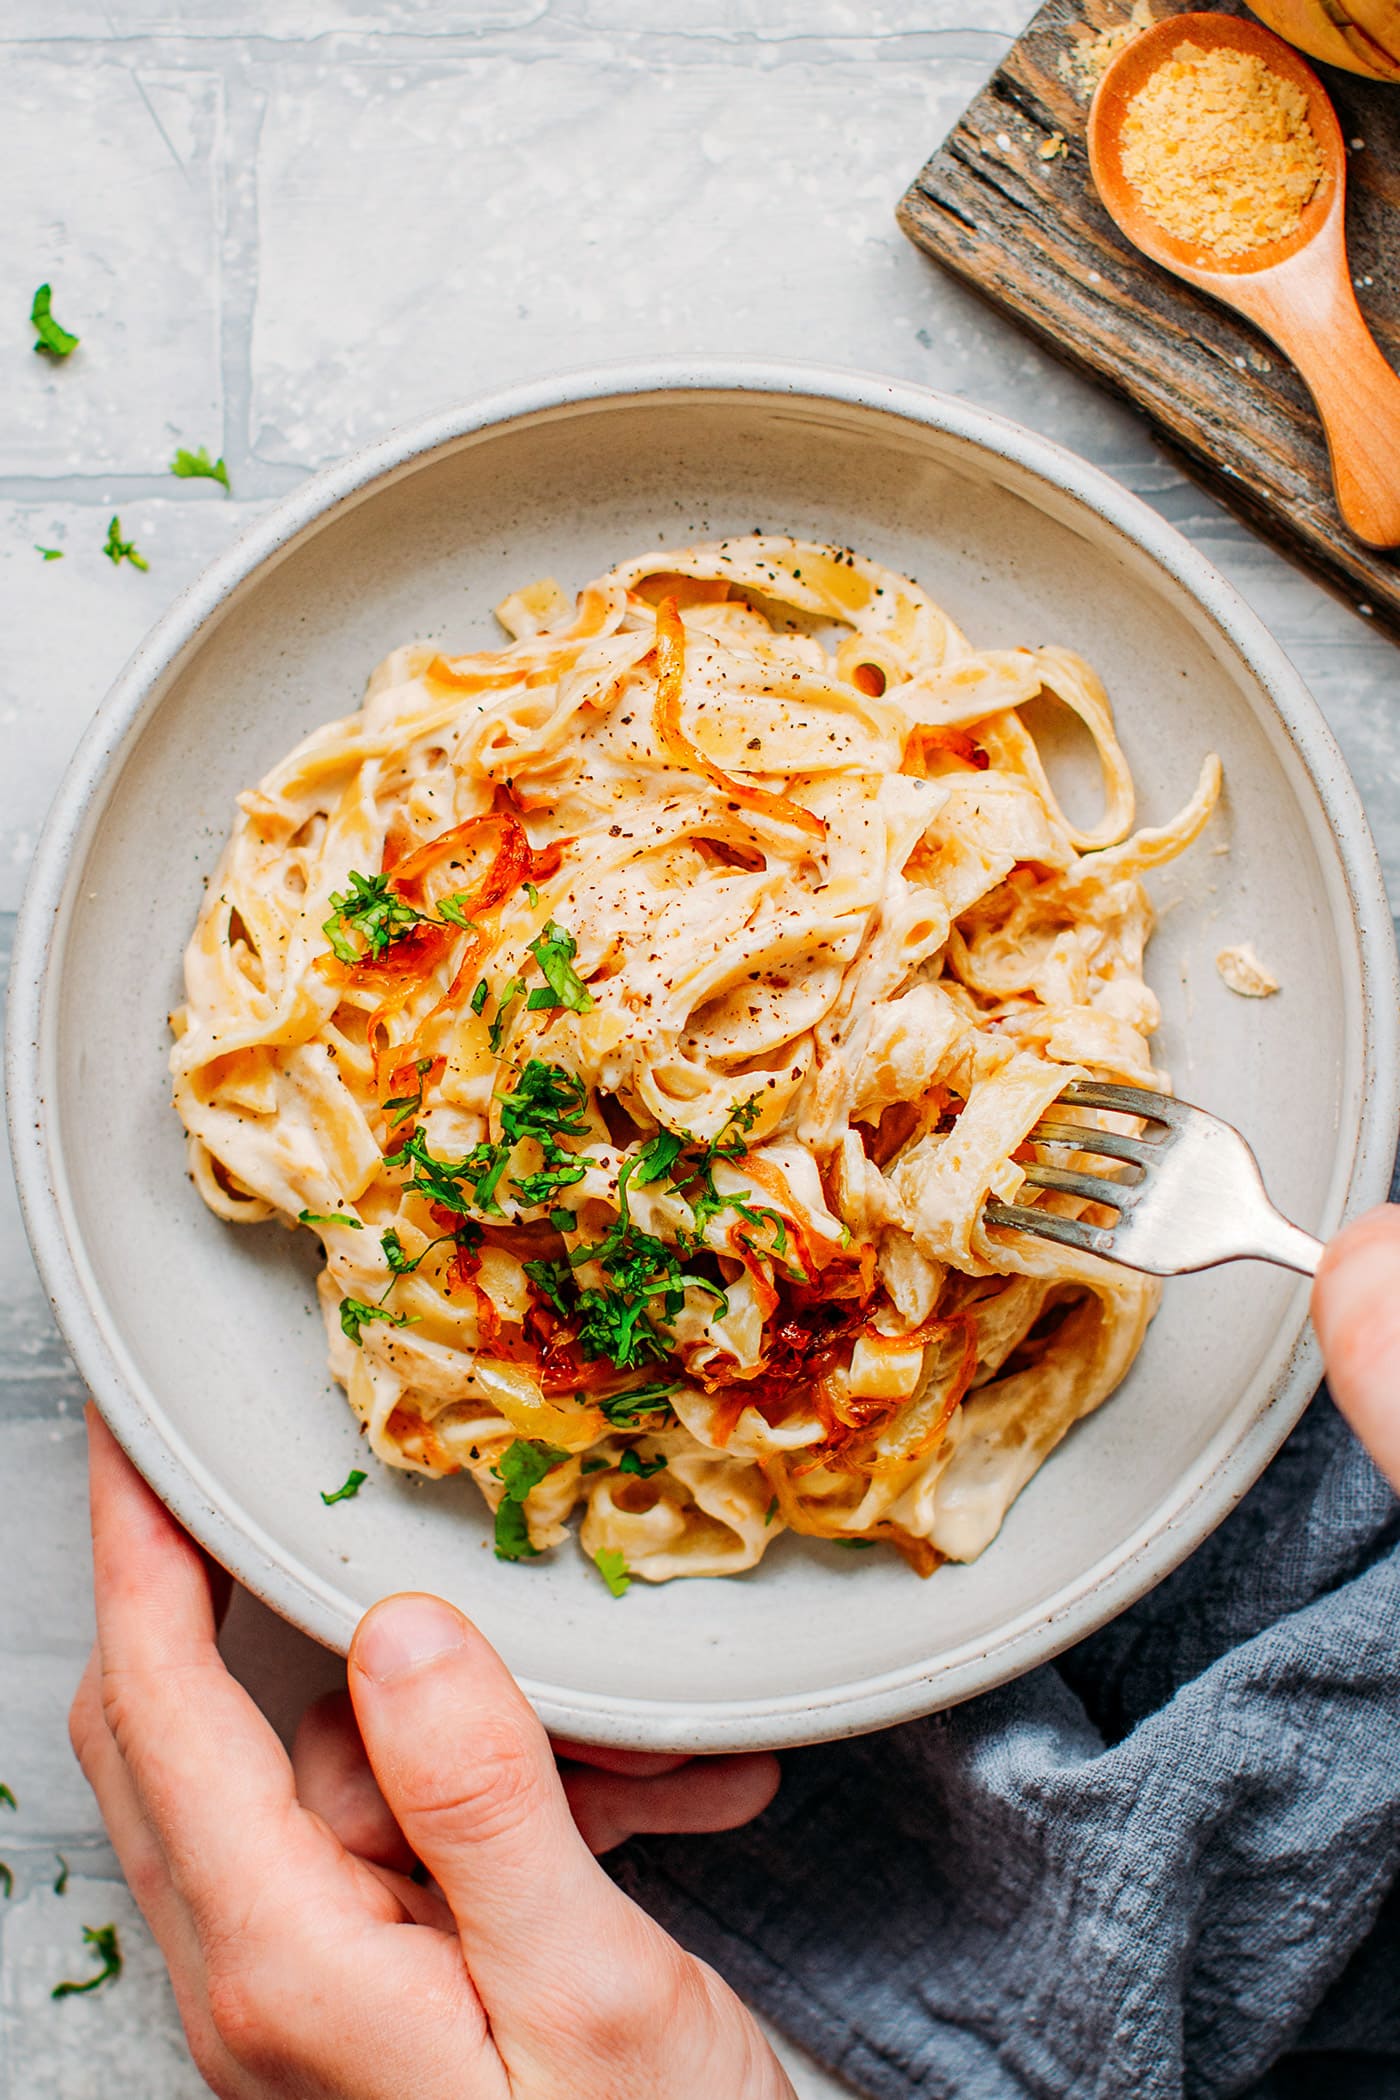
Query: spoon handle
[{"x": 1358, "y": 398}]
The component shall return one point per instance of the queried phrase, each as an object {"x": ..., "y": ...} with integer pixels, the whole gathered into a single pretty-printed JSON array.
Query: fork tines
[{"x": 1137, "y": 1153}]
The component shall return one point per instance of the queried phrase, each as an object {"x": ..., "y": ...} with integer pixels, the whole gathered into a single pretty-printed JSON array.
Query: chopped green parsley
[
  {"x": 60, "y": 1880},
  {"x": 642, "y": 1468},
  {"x": 613, "y": 1569},
  {"x": 329, "y": 1217},
  {"x": 354, "y": 1482},
  {"x": 7, "y": 1880},
  {"x": 367, "y": 906},
  {"x": 554, "y": 950},
  {"x": 355, "y": 1315},
  {"x": 8, "y": 1798},
  {"x": 104, "y": 1943},
  {"x": 118, "y": 550},
  {"x": 49, "y": 553},
  {"x": 510, "y": 992},
  {"x": 53, "y": 341},
  {"x": 520, "y": 1467},
  {"x": 406, "y": 1105},
  {"x": 198, "y": 466}
]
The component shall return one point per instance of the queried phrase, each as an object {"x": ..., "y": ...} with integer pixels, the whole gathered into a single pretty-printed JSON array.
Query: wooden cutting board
[{"x": 1030, "y": 233}]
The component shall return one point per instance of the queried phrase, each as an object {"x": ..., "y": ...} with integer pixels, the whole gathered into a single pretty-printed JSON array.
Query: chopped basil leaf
[
  {"x": 355, "y": 1314},
  {"x": 613, "y": 1569},
  {"x": 770, "y": 1512},
  {"x": 53, "y": 340},
  {"x": 197, "y": 466},
  {"x": 103, "y": 1941},
  {"x": 479, "y": 996},
  {"x": 642, "y": 1467},
  {"x": 594, "y": 1465},
  {"x": 563, "y": 1221},
  {"x": 532, "y": 895},
  {"x": 119, "y": 550},
  {"x": 354, "y": 1482},
  {"x": 328, "y": 1217},
  {"x": 554, "y": 950}
]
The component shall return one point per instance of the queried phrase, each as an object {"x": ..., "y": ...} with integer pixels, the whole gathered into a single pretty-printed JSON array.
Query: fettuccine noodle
[{"x": 642, "y": 1014}]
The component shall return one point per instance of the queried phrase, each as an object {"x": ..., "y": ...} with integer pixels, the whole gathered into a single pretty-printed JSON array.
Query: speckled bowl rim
[{"x": 1162, "y": 1542}]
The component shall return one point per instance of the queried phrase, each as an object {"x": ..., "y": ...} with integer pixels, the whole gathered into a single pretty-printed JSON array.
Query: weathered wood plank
[{"x": 1032, "y": 235}]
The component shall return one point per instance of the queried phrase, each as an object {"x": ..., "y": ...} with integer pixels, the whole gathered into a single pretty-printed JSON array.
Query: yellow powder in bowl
[{"x": 1219, "y": 149}]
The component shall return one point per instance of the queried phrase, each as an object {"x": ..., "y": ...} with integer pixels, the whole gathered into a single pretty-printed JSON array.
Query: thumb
[
  {"x": 1356, "y": 1312},
  {"x": 467, "y": 1770}
]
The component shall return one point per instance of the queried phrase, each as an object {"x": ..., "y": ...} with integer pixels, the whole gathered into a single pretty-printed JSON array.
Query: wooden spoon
[{"x": 1297, "y": 290}]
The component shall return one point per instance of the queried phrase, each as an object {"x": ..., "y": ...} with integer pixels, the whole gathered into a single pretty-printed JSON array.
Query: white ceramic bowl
[{"x": 201, "y": 1341}]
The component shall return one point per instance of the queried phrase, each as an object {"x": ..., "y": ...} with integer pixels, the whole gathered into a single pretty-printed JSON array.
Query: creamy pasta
[{"x": 642, "y": 1013}]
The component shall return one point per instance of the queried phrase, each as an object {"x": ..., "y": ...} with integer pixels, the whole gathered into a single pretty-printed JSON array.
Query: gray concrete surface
[{"x": 279, "y": 225}]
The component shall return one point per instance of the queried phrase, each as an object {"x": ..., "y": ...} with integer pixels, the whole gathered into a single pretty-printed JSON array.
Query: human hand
[
  {"x": 1356, "y": 1312},
  {"x": 304, "y": 1966}
]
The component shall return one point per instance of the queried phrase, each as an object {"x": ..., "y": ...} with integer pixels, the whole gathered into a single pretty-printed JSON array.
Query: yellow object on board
[
  {"x": 1220, "y": 151},
  {"x": 1363, "y": 36}
]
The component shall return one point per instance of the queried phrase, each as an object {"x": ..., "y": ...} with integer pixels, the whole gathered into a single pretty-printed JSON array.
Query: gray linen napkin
[{"x": 1155, "y": 1867}]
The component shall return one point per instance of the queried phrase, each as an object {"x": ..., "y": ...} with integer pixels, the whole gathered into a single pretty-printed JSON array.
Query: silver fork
[{"x": 1198, "y": 1197}]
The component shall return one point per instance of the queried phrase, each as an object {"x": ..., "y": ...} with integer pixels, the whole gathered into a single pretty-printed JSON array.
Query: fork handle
[{"x": 1275, "y": 1240}]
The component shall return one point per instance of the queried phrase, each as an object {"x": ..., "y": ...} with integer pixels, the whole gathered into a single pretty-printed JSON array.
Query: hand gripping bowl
[{"x": 200, "y": 1340}]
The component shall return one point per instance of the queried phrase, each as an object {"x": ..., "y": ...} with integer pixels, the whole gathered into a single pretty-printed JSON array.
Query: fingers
[
  {"x": 334, "y": 1780},
  {"x": 710, "y": 1793},
  {"x": 144, "y": 1865},
  {"x": 466, "y": 1769},
  {"x": 207, "y": 1769},
  {"x": 636, "y": 1764},
  {"x": 133, "y": 1840},
  {"x": 1356, "y": 1312}
]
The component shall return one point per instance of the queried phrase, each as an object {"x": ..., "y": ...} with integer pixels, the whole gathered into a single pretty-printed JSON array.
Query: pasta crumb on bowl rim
[{"x": 757, "y": 1669}]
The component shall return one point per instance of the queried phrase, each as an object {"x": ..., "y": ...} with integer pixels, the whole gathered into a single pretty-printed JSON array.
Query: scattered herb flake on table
[
  {"x": 118, "y": 550},
  {"x": 8, "y": 1798},
  {"x": 60, "y": 1884},
  {"x": 347, "y": 1493},
  {"x": 49, "y": 553},
  {"x": 105, "y": 1945},
  {"x": 197, "y": 466},
  {"x": 7, "y": 1881},
  {"x": 53, "y": 341}
]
